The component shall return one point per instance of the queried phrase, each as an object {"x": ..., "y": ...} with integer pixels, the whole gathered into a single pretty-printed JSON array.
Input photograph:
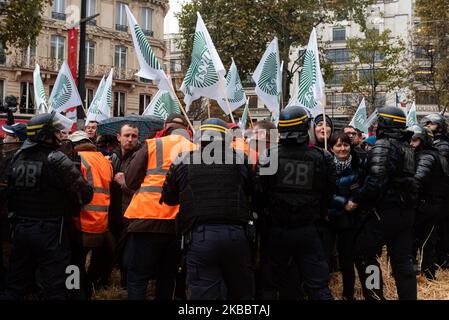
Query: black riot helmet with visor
[{"x": 294, "y": 123}]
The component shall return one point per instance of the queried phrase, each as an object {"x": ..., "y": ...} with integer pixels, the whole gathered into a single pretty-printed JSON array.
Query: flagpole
[
  {"x": 208, "y": 108},
  {"x": 180, "y": 106},
  {"x": 282, "y": 90},
  {"x": 324, "y": 122},
  {"x": 250, "y": 119},
  {"x": 225, "y": 95}
]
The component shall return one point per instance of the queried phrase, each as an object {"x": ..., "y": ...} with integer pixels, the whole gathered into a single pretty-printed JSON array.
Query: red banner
[{"x": 72, "y": 52}]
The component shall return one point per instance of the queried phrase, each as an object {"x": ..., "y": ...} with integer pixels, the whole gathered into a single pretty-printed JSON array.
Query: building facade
[
  {"x": 395, "y": 15},
  {"x": 109, "y": 45}
]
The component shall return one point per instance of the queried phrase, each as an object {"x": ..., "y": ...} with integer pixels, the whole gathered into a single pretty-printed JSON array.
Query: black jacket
[
  {"x": 45, "y": 183},
  {"x": 390, "y": 173},
  {"x": 301, "y": 189},
  {"x": 209, "y": 192}
]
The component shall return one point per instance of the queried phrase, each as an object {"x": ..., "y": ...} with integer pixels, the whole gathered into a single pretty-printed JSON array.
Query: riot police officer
[
  {"x": 213, "y": 187},
  {"x": 292, "y": 199},
  {"x": 430, "y": 173},
  {"x": 437, "y": 123},
  {"x": 390, "y": 187},
  {"x": 43, "y": 185}
]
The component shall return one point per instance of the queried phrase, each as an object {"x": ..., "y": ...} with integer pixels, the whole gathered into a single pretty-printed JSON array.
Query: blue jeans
[
  {"x": 152, "y": 256},
  {"x": 219, "y": 263}
]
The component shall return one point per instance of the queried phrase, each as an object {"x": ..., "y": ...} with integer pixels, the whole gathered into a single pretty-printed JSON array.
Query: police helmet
[
  {"x": 435, "y": 118},
  {"x": 43, "y": 126},
  {"x": 212, "y": 129},
  {"x": 422, "y": 133},
  {"x": 294, "y": 119},
  {"x": 391, "y": 118}
]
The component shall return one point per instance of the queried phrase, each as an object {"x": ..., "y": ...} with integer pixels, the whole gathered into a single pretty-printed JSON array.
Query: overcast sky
[{"x": 171, "y": 23}]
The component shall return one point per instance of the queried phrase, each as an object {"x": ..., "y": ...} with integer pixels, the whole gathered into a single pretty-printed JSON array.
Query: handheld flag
[
  {"x": 244, "y": 119},
  {"x": 162, "y": 105},
  {"x": 236, "y": 94},
  {"x": 64, "y": 94},
  {"x": 150, "y": 67},
  {"x": 267, "y": 77},
  {"x": 39, "y": 91},
  {"x": 100, "y": 108},
  {"x": 412, "y": 119},
  {"x": 205, "y": 70},
  {"x": 359, "y": 119},
  {"x": 311, "y": 84}
]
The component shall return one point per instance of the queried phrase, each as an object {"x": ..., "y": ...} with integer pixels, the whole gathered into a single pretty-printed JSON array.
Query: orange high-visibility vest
[
  {"x": 97, "y": 170},
  {"x": 161, "y": 153},
  {"x": 240, "y": 144}
]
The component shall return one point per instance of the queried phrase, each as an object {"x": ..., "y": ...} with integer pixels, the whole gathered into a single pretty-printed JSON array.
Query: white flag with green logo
[
  {"x": 150, "y": 68},
  {"x": 92, "y": 111},
  {"x": 205, "y": 70},
  {"x": 64, "y": 94},
  {"x": 412, "y": 119},
  {"x": 162, "y": 105},
  {"x": 40, "y": 98},
  {"x": 311, "y": 83},
  {"x": 234, "y": 89},
  {"x": 100, "y": 108},
  {"x": 359, "y": 119},
  {"x": 244, "y": 119},
  {"x": 267, "y": 77}
]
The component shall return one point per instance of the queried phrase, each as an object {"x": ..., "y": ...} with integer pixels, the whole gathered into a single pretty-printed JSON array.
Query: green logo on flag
[
  {"x": 41, "y": 90},
  {"x": 165, "y": 105},
  {"x": 201, "y": 73},
  {"x": 145, "y": 49},
  {"x": 109, "y": 97},
  {"x": 268, "y": 78},
  {"x": 238, "y": 93},
  {"x": 63, "y": 93},
  {"x": 308, "y": 79},
  {"x": 359, "y": 119},
  {"x": 412, "y": 118}
]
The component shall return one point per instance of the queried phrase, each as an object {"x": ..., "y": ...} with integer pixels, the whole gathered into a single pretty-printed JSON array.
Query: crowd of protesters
[{"x": 209, "y": 228}]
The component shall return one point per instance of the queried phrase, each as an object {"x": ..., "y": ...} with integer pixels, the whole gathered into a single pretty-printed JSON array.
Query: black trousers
[
  {"x": 425, "y": 238},
  {"x": 152, "y": 256},
  {"x": 300, "y": 248},
  {"x": 393, "y": 226},
  {"x": 219, "y": 263},
  {"x": 38, "y": 256}
]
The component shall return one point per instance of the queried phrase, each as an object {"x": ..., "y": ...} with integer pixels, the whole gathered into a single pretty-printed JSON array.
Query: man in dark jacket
[
  {"x": 120, "y": 159},
  {"x": 43, "y": 185},
  {"x": 121, "y": 195},
  {"x": 390, "y": 187}
]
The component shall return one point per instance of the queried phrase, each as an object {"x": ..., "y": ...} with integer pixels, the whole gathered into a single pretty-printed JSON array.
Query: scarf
[{"x": 340, "y": 165}]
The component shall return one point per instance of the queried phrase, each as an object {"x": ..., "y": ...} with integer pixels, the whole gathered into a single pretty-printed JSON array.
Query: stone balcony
[{"x": 20, "y": 62}]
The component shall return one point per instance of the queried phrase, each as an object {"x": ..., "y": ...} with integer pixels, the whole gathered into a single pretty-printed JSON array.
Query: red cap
[{"x": 233, "y": 126}]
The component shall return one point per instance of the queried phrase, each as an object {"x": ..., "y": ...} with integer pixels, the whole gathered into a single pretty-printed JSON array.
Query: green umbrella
[{"x": 148, "y": 125}]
